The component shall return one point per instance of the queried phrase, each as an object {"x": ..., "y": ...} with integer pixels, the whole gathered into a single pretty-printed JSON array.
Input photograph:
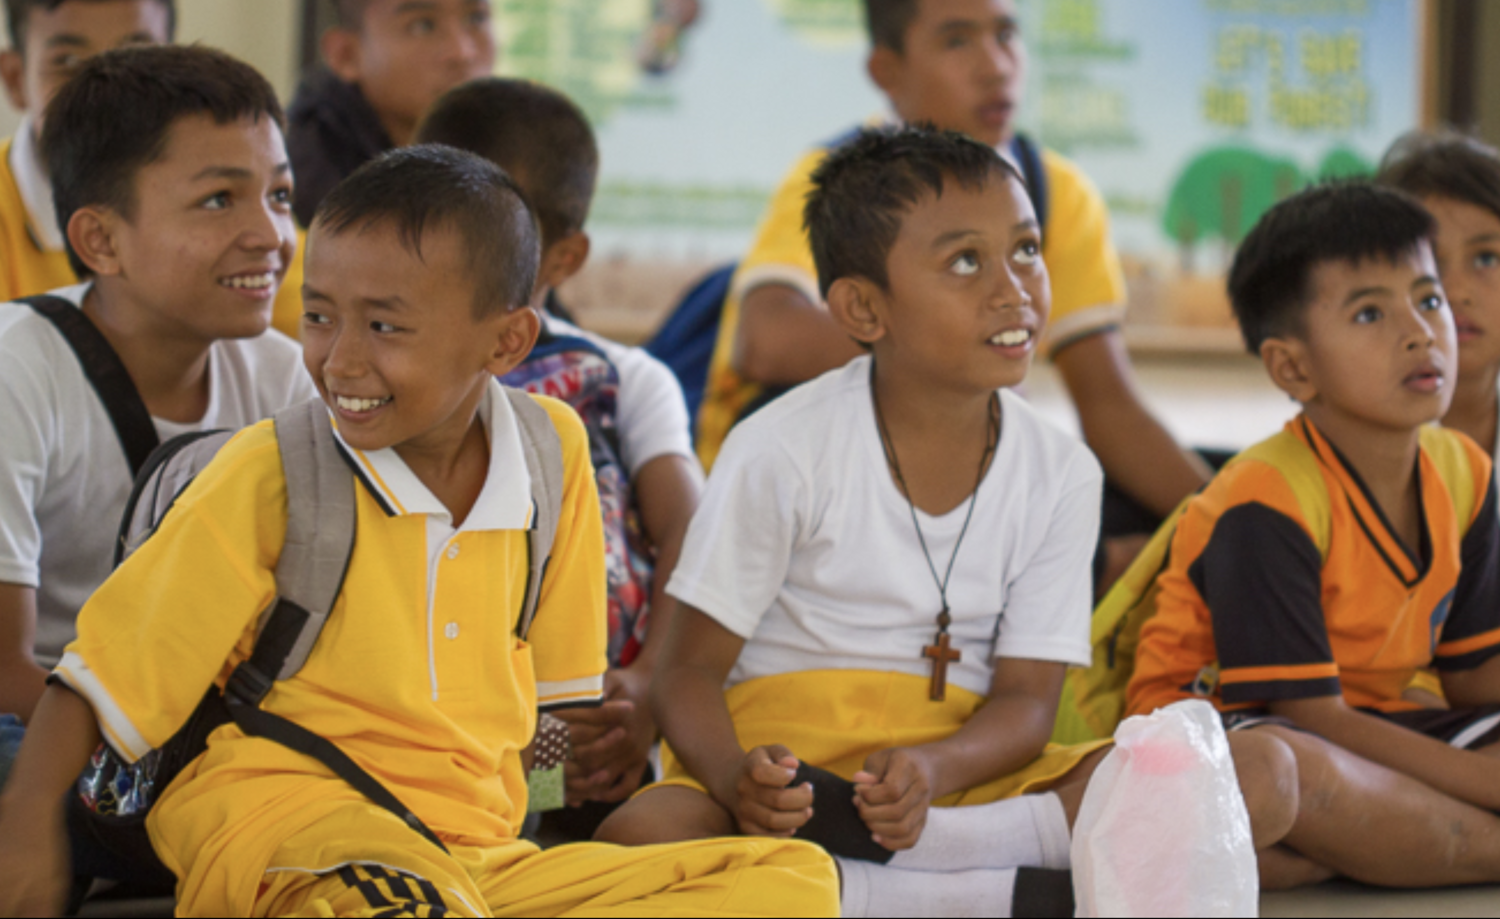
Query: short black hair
[
  {"x": 888, "y": 20},
  {"x": 1444, "y": 164},
  {"x": 1339, "y": 221},
  {"x": 415, "y": 189},
  {"x": 863, "y": 189},
  {"x": 18, "y": 16},
  {"x": 532, "y": 132},
  {"x": 113, "y": 117}
]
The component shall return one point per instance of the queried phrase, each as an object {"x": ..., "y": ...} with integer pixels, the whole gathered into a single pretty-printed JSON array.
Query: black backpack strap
[
  {"x": 111, "y": 381},
  {"x": 1029, "y": 158}
]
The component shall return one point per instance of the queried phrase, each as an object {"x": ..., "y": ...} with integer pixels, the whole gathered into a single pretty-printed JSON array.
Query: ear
[
  {"x": 884, "y": 67},
  {"x": 1286, "y": 362},
  {"x": 341, "y": 52},
  {"x": 514, "y": 334},
  {"x": 562, "y": 260},
  {"x": 852, "y": 302},
  {"x": 13, "y": 73},
  {"x": 91, "y": 233}
]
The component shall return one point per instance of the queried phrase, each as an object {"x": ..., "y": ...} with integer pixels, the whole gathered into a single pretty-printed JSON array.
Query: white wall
[{"x": 262, "y": 32}]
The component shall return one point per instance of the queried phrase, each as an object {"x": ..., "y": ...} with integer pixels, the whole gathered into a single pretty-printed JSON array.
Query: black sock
[
  {"x": 836, "y": 824},
  {"x": 1042, "y": 893}
]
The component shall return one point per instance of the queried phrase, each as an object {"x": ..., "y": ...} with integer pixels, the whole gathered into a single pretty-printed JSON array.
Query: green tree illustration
[{"x": 1222, "y": 193}]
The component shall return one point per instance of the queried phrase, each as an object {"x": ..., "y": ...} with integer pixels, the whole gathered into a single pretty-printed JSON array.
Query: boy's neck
[
  {"x": 399, "y": 130},
  {"x": 452, "y": 461},
  {"x": 1476, "y": 407},
  {"x": 169, "y": 370},
  {"x": 939, "y": 437},
  {"x": 1385, "y": 461}
]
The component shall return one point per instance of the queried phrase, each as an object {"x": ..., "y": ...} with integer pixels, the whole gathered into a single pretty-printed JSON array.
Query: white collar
[
  {"x": 505, "y": 501},
  {"x": 35, "y": 187}
]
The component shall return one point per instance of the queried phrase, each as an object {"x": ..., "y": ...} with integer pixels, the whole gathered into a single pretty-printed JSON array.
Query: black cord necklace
[{"x": 941, "y": 651}]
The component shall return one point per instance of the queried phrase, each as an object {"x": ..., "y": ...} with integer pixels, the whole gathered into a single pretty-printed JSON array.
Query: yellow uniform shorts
[
  {"x": 394, "y": 872},
  {"x": 834, "y": 719}
]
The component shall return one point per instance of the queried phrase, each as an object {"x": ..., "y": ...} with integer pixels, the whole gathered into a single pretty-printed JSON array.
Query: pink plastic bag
[{"x": 1163, "y": 829}]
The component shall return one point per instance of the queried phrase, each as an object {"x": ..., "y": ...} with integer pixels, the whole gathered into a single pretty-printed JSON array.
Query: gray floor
[{"x": 1346, "y": 899}]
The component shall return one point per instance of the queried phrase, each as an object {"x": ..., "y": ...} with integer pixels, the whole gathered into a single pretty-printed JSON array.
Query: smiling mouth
[
  {"x": 360, "y": 406},
  {"x": 250, "y": 281},
  {"x": 1011, "y": 338}
]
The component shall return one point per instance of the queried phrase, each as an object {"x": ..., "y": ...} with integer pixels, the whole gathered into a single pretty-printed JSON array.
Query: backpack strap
[
  {"x": 106, "y": 374},
  {"x": 543, "y": 450},
  {"x": 1029, "y": 158}
]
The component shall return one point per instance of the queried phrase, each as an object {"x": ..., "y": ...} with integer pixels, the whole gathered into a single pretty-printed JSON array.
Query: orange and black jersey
[{"x": 1276, "y": 589}]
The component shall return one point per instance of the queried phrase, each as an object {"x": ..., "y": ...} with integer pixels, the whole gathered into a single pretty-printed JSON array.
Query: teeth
[
  {"x": 1011, "y": 338},
  {"x": 360, "y": 405},
  {"x": 251, "y": 282}
]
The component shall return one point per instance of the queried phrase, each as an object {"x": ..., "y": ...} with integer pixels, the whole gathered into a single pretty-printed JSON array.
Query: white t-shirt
[
  {"x": 653, "y": 418},
  {"x": 64, "y": 479},
  {"x": 804, "y": 546}
]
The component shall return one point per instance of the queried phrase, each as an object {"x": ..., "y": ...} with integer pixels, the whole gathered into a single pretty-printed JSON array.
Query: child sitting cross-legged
[
  {"x": 890, "y": 567},
  {"x": 419, "y": 270},
  {"x": 1326, "y": 568}
]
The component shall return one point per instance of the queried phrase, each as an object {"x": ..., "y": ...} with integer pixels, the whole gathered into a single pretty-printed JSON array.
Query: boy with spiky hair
[
  {"x": 172, "y": 184},
  {"x": 385, "y": 62},
  {"x": 632, "y": 405},
  {"x": 1328, "y": 566},
  {"x": 419, "y": 271},
  {"x": 889, "y": 569}
]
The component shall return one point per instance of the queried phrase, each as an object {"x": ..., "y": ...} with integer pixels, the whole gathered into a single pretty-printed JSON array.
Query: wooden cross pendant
[{"x": 941, "y": 653}]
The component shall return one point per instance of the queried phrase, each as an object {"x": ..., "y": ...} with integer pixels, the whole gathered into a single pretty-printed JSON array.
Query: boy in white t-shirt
[
  {"x": 639, "y": 432},
  {"x": 172, "y": 184},
  {"x": 890, "y": 569}
]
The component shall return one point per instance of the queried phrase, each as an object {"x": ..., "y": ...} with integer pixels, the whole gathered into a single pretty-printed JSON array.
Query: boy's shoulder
[{"x": 31, "y": 346}]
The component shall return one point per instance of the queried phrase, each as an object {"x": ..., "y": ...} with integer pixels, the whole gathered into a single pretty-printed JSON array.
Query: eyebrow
[
  {"x": 1483, "y": 238},
  {"x": 1364, "y": 292},
  {"x": 953, "y": 236},
  {"x": 234, "y": 172},
  {"x": 412, "y": 6},
  {"x": 66, "y": 40},
  {"x": 963, "y": 25}
]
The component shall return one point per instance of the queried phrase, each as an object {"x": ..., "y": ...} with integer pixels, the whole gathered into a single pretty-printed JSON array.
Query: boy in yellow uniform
[
  {"x": 48, "y": 40},
  {"x": 420, "y": 269},
  {"x": 959, "y": 65}
]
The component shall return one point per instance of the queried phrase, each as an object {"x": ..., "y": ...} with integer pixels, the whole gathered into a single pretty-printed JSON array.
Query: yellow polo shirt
[
  {"x": 27, "y": 268},
  {"x": 418, "y": 675},
  {"x": 1088, "y": 285}
]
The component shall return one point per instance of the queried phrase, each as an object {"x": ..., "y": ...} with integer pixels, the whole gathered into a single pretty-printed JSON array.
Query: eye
[
  {"x": 66, "y": 61},
  {"x": 1368, "y": 315},
  {"x": 217, "y": 201},
  {"x": 1008, "y": 33},
  {"x": 309, "y": 317},
  {"x": 966, "y": 264},
  {"x": 384, "y": 328},
  {"x": 1486, "y": 259},
  {"x": 425, "y": 25},
  {"x": 282, "y": 197},
  {"x": 1431, "y": 303},
  {"x": 1029, "y": 252}
]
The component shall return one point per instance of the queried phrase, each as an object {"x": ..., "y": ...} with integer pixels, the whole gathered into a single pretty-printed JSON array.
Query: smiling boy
[
  {"x": 1316, "y": 576},
  {"x": 387, "y": 62},
  {"x": 180, "y": 217}
]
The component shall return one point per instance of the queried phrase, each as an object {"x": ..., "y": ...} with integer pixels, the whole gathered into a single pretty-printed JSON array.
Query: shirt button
[
  {"x": 453, "y": 551},
  {"x": 451, "y": 630}
]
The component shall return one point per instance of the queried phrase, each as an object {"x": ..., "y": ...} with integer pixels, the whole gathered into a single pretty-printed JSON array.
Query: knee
[
  {"x": 1267, "y": 770},
  {"x": 628, "y": 826}
]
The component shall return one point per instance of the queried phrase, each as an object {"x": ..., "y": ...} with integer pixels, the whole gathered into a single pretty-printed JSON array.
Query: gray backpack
[{"x": 116, "y": 795}]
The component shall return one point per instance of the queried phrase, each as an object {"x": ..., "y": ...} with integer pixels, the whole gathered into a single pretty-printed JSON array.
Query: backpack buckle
[{"x": 247, "y": 684}]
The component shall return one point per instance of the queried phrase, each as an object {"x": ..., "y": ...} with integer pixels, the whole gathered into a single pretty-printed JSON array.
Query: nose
[
  {"x": 470, "y": 47},
  {"x": 998, "y": 62},
  {"x": 269, "y": 229},
  {"x": 1009, "y": 292},
  {"x": 346, "y": 358},
  {"x": 1419, "y": 331}
]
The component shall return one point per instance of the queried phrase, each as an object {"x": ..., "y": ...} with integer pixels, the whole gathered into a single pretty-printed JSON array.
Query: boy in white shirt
[
  {"x": 639, "y": 432},
  {"x": 172, "y": 184},
  {"x": 890, "y": 569}
]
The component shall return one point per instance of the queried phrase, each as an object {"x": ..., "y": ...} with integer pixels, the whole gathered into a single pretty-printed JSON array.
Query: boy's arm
[
  {"x": 34, "y": 868},
  {"x": 687, "y": 697},
  {"x": 1473, "y": 688},
  {"x": 784, "y": 338},
  {"x": 1461, "y": 774},
  {"x": 1134, "y": 448},
  {"x": 22, "y": 680}
]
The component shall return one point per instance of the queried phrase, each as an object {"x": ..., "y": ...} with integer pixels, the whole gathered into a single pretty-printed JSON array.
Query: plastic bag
[{"x": 1163, "y": 830}]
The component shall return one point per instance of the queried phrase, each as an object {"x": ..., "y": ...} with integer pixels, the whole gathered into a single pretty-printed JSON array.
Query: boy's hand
[
  {"x": 763, "y": 804},
  {"x": 34, "y": 865},
  {"x": 611, "y": 743},
  {"x": 893, "y": 793}
]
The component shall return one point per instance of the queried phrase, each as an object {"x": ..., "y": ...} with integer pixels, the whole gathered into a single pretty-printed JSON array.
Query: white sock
[
  {"x": 1029, "y": 830},
  {"x": 880, "y": 890}
]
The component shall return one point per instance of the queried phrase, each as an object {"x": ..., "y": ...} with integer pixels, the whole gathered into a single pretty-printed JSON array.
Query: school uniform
[
  {"x": 1088, "y": 285},
  {"x": 804, "y": 547},
  {"x": 64, "y": 478},
  {"x": 418, "y": 676},
  {"x": 331, "y": 131},
  {"x": 1251, "y": 611},
  {"x": 33, "y": 249}
]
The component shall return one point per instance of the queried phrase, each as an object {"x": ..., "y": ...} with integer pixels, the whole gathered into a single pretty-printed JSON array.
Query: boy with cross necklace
[{"x": 889, "y": 570}]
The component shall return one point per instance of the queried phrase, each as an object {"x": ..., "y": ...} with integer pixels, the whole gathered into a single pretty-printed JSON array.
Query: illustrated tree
[
  {"x": 1222, "y": 193},
  {"x": 1343, "y": 163}
]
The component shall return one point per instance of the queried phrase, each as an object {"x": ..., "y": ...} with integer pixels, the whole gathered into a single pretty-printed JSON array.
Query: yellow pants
[
  {"x": 834, "y": 719},
  {"x": 397, "y": 873}
]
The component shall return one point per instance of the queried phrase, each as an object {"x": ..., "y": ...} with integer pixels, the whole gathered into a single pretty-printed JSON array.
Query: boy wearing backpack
[
  {"x": 385, "y": 62},
  {"x": 649, "y": 479},
  {"x": 1324, "y": 570},
  {"x": 48, "y": 41},
  {"x": 172, "y": 180},
  {"x": 424, "y": 677}
]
